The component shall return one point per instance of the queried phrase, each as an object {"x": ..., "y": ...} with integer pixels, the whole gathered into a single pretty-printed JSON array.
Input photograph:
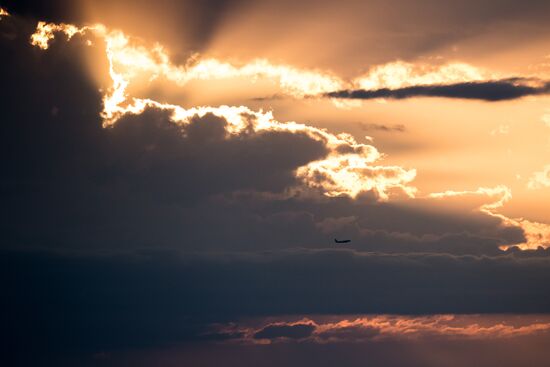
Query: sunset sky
[{"x": 175, "y": 174}]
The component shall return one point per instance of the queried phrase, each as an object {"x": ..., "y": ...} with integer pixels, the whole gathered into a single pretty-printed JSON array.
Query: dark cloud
[
  {"x": 291, "y": 331},
  {"x": 87, "y": 303},
  {"x": 350, "y": 333},
  {"x": 68, "y": 178},
  {"x": 147, "y": 182},
  {"x": 492, "y": 91},
  {"x": 381, "y": 127}
]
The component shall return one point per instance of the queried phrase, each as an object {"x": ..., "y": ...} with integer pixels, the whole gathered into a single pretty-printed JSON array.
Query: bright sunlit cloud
[
  {"x": 347, "y": 170},
  {"x": 402, "y": 74}
]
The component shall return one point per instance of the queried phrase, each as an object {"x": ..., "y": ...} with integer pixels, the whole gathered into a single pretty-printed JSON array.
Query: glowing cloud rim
[
  {"x": 536, "y": 234},
  {"x": 347, "y": 170}
]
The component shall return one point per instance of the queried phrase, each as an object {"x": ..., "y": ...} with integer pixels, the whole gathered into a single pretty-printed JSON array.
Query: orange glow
[{"x": 4, "y": 12}]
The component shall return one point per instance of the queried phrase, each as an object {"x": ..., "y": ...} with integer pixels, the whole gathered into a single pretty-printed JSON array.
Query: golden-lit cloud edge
[
  {"x": 536, "y": 234},
  {"x": 401, "y": 74},
  {"x": 349, "y": 169}
]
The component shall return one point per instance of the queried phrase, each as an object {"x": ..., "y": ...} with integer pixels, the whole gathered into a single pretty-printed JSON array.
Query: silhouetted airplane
[{"x": 341, "y": 241}]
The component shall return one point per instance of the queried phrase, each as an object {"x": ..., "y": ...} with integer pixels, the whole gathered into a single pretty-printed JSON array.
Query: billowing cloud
[
  {"x": 348, "y": 169},
  {"x": 192, "y": 170}
]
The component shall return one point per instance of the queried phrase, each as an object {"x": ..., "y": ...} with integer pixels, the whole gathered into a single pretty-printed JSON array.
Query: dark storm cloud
[
  {"x": 78, "y": 303},
  {"x": 291, "y": 331},
  {"x": 147, "y": 182},
  {"x": 67, "y": 177},
  {"x": 350, "y": 333},
  {"x": 492, "y": 91}
]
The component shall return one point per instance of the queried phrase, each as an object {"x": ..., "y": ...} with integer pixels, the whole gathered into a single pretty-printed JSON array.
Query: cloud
[
  {"x": 130, "y": 59},
  {"x": 399, "y": 128},
  {"x": 167, "y": 175},
  {"x": 347, "y": 333},
  {"x": 93, "y": 301},
  {"x": 329, "y": 329},
  {"x": 346, "y": 171},
  {"x": 535, "y": 234},
  {"x": 540, "y": 179},
  {"x": 241, "y": 209},
  {"x": 491, "y": 91},
  {"x": 401, "y": 74},
  {"x": 290, "y": 331},
  {"x": 147, "y": 181},
  {"x": 80, "y": 304}
]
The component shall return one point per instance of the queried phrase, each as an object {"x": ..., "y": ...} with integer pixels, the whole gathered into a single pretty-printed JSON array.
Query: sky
[{"x": 175, "y": 174}]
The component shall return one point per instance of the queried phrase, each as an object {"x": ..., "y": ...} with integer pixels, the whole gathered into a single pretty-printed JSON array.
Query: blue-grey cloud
[
  {"x": 291, "y": 331},
  {"x": 491, "y": 91}
]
